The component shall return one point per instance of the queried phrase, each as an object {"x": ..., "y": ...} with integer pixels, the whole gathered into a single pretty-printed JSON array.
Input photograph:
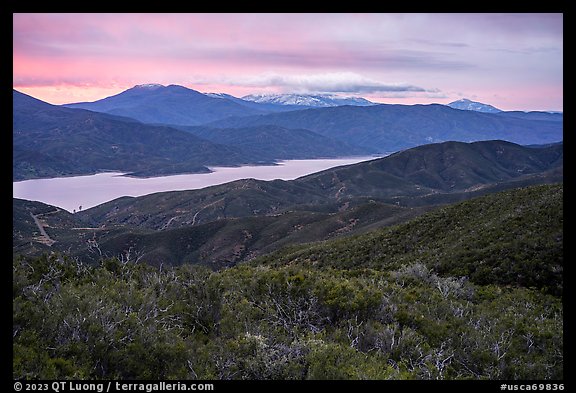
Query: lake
[{"x": 70, "y": 193}]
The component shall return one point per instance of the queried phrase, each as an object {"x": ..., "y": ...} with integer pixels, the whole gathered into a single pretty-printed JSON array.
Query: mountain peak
[
  {"x": 469, "y": 105},
  {"x": 149, "y": 86},
  {"x": 170, "y": 104},
  {"x": 221, "y": 95},
  {"x": 313, "y": 100}
]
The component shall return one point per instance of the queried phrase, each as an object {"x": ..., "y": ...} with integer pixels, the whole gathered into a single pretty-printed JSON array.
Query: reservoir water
[{"x": 83, "y": 192}]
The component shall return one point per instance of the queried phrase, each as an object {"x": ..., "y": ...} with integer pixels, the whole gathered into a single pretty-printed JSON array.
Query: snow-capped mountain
[
  {"x": 311, "y": 100},
  {"x": 221, "y": 95},
  {"x": 468, "y": 105},
  {"x": 149, "y": 86},
  {"x": 262, "y": 106}
]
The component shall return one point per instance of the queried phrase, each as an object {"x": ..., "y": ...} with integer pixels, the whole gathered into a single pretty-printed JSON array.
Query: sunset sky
[{"x": 511, "y": 61}]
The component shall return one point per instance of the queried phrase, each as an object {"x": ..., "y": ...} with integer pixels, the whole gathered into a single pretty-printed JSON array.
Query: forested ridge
[{"x": 469, "y": 291}]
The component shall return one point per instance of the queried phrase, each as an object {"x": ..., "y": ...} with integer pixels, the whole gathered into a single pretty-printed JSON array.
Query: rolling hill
[
  {"x": 513, "y": 237},
  {"x": 227, "y": 242},
  {"x": 220, "y": 243},
  {"x": 389, "y": 128},
  {"x": 419, "y": 176},
  {"x": 436, "y": 168}
]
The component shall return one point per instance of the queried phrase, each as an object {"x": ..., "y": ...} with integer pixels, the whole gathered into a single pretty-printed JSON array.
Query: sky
[{"x": 511, "y": 61}]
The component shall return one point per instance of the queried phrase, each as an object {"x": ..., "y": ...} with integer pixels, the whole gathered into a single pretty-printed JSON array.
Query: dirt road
[{"x": 43, "y": 238}]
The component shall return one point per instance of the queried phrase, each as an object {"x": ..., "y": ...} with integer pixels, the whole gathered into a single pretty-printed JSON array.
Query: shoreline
[
  {"x": 211, "y": 169},
  {"x": 70, "y": 192}
]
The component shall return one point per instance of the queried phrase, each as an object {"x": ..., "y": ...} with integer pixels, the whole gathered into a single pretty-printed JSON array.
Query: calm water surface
[{"x": 87, "y": 191}]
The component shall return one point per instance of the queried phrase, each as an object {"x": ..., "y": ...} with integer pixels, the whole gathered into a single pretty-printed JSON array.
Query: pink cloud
[{"x": 448, "y": 53}]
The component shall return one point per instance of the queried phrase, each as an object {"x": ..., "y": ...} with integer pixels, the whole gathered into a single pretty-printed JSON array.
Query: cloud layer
[{"x": 334, "y": 82}]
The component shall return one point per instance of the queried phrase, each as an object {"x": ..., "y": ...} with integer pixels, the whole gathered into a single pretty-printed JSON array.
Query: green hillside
[
  {"x": 468, "y": 291},
  {"x": 227, "y": 242},
  {"x": 509, "y": 238},
  {"x": 436, "y": 168},
  {"x": 217, "y": 244}
]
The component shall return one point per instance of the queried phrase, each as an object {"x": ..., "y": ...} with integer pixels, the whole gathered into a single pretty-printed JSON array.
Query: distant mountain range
[
  {"x": 466, "y": 104},
  {"x": 388, "y": 128},
  {"x": 174, "y": 104},
  {"x": 152, "y": 130},
  {"x": 260, "y": 106},
  {"x": 307, "y": 100},
  {"x": 534, "y": 115}
]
